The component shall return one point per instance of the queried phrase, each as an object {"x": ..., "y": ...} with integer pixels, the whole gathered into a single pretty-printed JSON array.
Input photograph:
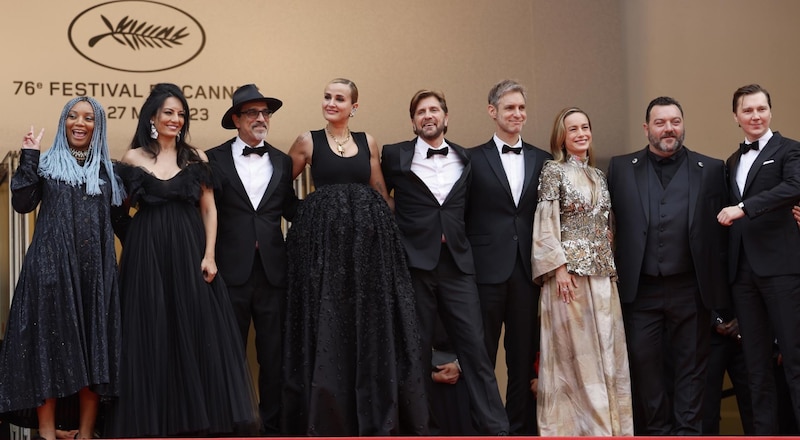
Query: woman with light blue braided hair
[{"x": 64, "y": 325}]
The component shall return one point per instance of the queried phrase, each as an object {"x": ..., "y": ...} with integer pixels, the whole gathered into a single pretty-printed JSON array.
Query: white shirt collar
[
  {"x": 421, "y": 146},
  {"x": 763, "y": 139},
  {"x": 499, "y": 143},
  {"x": 238, "y": 145}
]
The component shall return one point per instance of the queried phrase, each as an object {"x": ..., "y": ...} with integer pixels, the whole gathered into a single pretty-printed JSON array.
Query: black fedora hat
[{"x": 243, "y": 95}]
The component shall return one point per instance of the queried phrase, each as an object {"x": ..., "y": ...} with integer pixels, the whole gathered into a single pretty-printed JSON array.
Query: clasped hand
[
  {"x": 729, "y": 329},
  {"x": 447, "y": 373}
]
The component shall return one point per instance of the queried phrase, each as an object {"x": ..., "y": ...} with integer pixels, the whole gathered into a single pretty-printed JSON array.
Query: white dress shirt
[
  {"x": 747, "y": 159},
  {"x": 439, "y": 172},
  {"x": 254, "y": 171},
  {"x": 514, "y": 165}
]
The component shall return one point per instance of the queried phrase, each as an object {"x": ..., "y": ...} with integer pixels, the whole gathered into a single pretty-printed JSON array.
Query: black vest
[{"x": 667, "y": 250}]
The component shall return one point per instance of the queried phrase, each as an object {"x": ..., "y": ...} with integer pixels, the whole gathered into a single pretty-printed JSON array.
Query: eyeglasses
[{"x": 253, "y": 113}]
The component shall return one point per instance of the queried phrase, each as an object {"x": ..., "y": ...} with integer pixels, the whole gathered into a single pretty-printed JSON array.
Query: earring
[
  {"x": 153, "y": 131},
  {"x": 178, "y": 138}
]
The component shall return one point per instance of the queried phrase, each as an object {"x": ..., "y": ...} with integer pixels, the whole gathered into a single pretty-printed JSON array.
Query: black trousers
[
  {"x": 453, "y": 295},
  {"x": 726, "y": 356},
  {"x": 264, "y": 304},
  {"x": 515, "y": 304},
  {"x": 668, "y": 334},
  {"x": 768, "y": 309}
]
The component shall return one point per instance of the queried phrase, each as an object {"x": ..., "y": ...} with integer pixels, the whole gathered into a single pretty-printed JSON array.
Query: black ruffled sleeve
[
  {"x": 26, "y": 185},
  {"x": 201, "y": 176},
  {"x": 132, "y": 179},
  {"x": 121, "y": 215},
  {"x": 218, "y": 176}
]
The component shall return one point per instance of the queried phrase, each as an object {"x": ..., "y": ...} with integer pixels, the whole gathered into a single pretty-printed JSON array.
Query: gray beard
[{"x": 658, "y": 145}]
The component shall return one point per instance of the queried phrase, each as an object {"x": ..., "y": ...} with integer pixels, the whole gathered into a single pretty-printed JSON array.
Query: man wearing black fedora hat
[{"x": 253, "y": 190}]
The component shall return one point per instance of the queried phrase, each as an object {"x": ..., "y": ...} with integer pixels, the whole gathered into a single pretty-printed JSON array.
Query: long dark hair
[{"x": 141, "y": 139}]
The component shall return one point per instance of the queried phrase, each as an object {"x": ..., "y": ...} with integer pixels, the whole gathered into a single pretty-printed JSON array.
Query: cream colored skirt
[{"x": 584, "y": 379}]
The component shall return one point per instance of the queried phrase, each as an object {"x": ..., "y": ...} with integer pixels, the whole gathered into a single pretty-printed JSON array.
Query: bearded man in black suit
[
  {"x": 429, "y": 177},
  {"x": 671, "y": 258},
  {"x": 253, "y": 190}
]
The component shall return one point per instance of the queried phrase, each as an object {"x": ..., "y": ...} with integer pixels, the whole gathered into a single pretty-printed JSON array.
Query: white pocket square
[{"x": 768, "y": 162}]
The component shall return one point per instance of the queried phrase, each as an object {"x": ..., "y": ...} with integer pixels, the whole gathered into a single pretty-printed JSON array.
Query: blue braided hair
[{"x": 57, "y": 163}]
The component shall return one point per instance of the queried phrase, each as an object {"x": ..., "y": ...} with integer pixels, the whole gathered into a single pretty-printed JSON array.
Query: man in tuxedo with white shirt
[
  {"x": 500, "y": 208},
  {"x": 764, "y": 248},
  {"x": 429, "y": 179},
  {"x": 253, "y": 190}
]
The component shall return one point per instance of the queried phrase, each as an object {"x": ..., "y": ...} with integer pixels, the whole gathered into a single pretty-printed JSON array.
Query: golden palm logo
[
  {"x": 135, "y": 35},
  {"x": 155, "y": 36}
]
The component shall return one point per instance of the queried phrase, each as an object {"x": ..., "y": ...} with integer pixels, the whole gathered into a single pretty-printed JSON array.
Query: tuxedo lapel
[
  {"x": 530, "y": 166},
  {"x": 406, "y": 157},
  {"x": 227, "y": 166},
  {"x": 277, "y": 174},
  {"x": 733, "y": 165},
  {"x": 496, "y": 164},
  {"x": 764, "y": 155},
  {"x": 695, "y": 168},
  {"x": 639, "y": 164},
  {"x": 464, "y": 173}
]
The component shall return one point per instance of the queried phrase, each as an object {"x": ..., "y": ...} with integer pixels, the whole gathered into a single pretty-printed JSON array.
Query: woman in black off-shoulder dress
[{"x": 183, "y": 369}]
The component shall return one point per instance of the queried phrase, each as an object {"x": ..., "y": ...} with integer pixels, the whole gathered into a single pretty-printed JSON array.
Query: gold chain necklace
[
  {"x": 78, "y": 154},
  {"x": 339, "y": 145}
]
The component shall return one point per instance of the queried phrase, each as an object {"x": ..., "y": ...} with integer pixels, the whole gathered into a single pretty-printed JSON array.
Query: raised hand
[{"x": 30, "y": 142}]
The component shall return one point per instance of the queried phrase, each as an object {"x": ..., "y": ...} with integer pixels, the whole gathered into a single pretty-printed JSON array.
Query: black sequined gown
[
  {"x": 63, "y": 327},
  {"x": 351, "y": 351},
  {"x": 183, "y": 368}
]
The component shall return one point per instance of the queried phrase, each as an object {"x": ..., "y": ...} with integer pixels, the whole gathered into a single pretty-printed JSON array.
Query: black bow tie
[
  {"x": 442, "y": 151},
  {"x": 506, "y": 149},
  {"x": 744, "y": 148},
  {"x": 258, "y": 150}
]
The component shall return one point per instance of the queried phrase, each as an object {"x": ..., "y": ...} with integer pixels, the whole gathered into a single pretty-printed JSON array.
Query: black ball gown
[
  {"x": 183, "y": 369},
  {"x": 352, "y": 360}
]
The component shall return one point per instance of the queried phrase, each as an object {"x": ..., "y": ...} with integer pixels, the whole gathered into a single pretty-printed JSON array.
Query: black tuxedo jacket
[
  {"x": 768, "y": 232},
  {"x": 497, "y": 229},
  {"x": 421, "y": 219},
  {"x": 239, "y": 226},
  {"x": 630, "y": 202}
]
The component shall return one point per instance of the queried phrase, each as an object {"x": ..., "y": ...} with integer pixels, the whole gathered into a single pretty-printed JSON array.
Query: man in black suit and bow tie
[
  {"x": 671, "y": 258},
  {"x": 253, "y": 190},
  {"x": 500, "y": 208},
  {"x": 765, "y": 252},
  {"x": 430, "y": 178}
]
